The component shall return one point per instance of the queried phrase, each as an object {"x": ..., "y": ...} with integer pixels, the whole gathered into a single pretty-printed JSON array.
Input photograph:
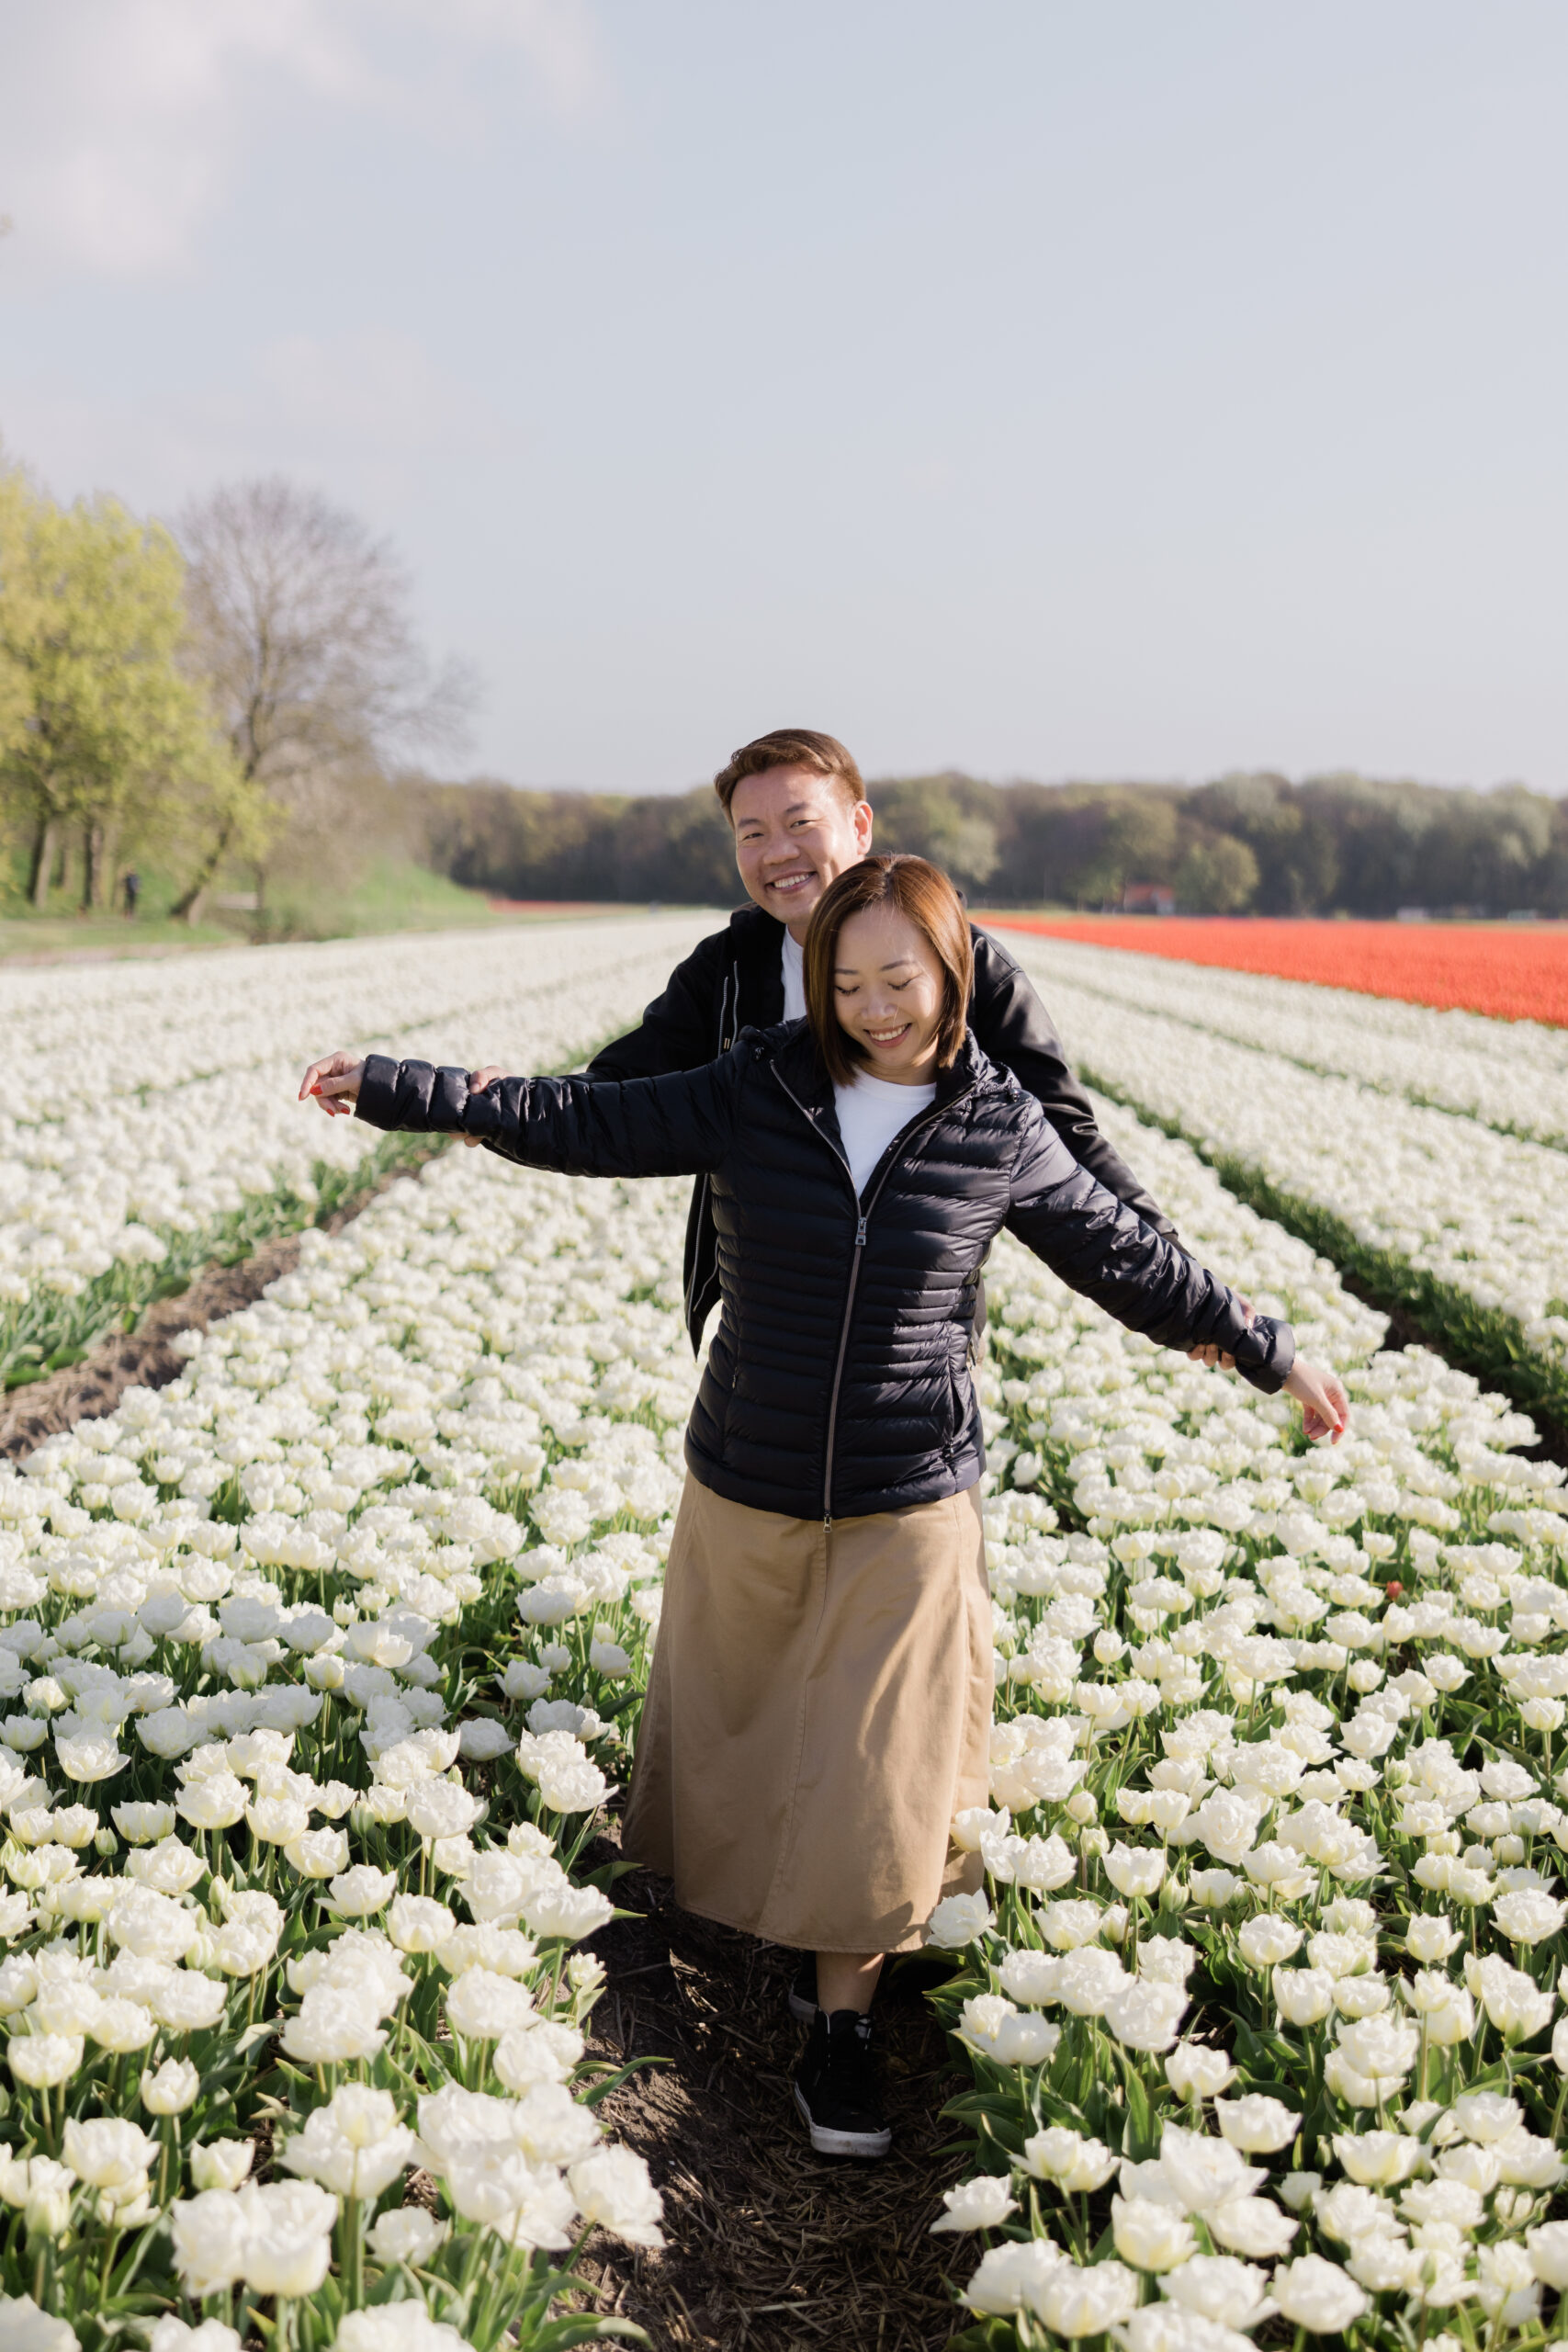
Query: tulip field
[
  {"x": 149, "y": 1126},
  {"x": 1516, "y": 972},
  {"x": 1425, "y": 1152},
  {"x": 325, "y": 1661}
]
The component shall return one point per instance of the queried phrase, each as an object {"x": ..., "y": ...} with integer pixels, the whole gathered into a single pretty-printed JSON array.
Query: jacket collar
[
  {"x": 803, "y": 1071},
  {"x": 758, "y": 940},
  {"x": 970, "y": 1068}
]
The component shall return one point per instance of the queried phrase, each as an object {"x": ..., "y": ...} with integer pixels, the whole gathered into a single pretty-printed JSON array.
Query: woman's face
[{"x": 888, "y": 988}]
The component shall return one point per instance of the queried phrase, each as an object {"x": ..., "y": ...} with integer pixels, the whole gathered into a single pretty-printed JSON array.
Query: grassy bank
[{"x": 389, "y": 894}]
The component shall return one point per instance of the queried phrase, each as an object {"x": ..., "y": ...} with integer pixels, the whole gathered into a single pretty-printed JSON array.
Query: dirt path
[
  {"x": 145, "y": 1357},
  {"x": 85, "y": 1391},
  {"x": 771, "y": 2249}
]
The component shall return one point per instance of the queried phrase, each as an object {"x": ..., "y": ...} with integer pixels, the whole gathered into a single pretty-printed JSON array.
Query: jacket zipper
[{"x": 861, "y": 1214}]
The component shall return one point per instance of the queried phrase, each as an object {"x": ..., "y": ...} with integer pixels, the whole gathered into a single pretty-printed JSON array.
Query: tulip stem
[
  {"x": 354, "y": 2236},
  {"x": 471, "y": 2262}
]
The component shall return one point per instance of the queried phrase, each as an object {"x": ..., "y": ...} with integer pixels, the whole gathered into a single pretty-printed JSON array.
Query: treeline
[
  {"x": 222, "y": 701},
  {"x": 1252, "y": 844},
  {"x": 239, "y": 698}
]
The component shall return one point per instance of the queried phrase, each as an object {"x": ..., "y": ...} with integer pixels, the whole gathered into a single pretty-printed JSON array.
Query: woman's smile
[{"x": 880, "y": 953}]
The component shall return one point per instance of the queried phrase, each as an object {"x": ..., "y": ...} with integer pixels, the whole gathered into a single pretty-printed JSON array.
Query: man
[{"x": 800, "y": 817}]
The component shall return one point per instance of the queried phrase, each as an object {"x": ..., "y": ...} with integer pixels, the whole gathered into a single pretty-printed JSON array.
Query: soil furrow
[
  {"x": 145, "y": 1357},
  {"x": 770, "y": 2248}
]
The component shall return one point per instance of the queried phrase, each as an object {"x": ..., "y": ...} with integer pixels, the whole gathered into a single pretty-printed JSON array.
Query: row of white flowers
[
  {"x": 314, "y": 1671},
  {"x": 1267, "y": 1957},
  {"x": 163, "y": 1104},
  {"x": 83, "y": 1034},
  {"x": 1482, "y": 1214},
  {"x": 1509, "y": 1075}
]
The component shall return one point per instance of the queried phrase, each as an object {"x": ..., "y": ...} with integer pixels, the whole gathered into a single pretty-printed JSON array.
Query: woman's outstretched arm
[
  {"x": 1099, "y": 1247},
  {"x": 676, "y": 1125}
]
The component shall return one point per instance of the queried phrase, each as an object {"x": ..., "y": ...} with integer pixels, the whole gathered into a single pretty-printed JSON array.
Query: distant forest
[
  {"x": 230, "y": 716},
  {"x": 1253, "y": 844}
]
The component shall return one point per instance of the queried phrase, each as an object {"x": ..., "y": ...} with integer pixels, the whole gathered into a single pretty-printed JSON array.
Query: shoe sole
[{"x": 842, "y": 2144}]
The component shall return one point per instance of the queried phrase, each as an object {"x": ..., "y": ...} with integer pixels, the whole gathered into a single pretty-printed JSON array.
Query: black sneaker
[
  {"x": 803, "y": 1989},
  {"x": 836, "y": 2091}
]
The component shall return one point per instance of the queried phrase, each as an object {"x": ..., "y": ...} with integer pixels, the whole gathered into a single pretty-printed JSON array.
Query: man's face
[{"x": 795, "y": 832}]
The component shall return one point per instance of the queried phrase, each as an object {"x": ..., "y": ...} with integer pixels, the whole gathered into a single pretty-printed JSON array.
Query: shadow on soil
[{"x": 771, "y": 2248}]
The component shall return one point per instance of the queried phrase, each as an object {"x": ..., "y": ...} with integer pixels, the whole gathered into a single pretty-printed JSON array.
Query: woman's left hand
[
  {"x": 335, "y": 1083},
  {"x": 1325, "y": 1410}
]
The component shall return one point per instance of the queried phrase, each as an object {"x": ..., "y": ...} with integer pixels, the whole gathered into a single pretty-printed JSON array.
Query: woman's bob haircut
[{"x": 924, "y": 895}]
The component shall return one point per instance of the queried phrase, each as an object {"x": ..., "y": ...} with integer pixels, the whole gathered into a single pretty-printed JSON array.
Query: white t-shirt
[
  {"x": 871, "y": 1111},
  {"x": 794, "y": 978}
]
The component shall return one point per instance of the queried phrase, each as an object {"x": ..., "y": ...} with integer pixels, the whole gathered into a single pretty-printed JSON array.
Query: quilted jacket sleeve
[
  {"x": 1101, "y": 1248},
  {"x": 677, "y": 1126}
]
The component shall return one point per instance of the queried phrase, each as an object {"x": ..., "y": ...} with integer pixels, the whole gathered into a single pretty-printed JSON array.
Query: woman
[{"x": 819, "y": 1703}]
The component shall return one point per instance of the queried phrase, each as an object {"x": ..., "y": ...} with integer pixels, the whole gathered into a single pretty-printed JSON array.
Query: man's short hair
[{"x": 791, "y": 746}]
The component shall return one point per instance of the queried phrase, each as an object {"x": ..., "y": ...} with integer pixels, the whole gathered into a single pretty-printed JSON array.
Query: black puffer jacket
[
  {"x": 734, "y": 981},
  {"x": 836, "y": 1383}
]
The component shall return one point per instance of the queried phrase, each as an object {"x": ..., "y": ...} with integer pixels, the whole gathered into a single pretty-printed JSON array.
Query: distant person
[
  {"x": 800, "y": 817},
  {"x": 132, "y": 890},
  {"x": 819, "y": 1707}
]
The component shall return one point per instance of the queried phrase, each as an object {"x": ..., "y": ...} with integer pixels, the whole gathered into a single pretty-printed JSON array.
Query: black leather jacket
[
  {"x": 734, "y": 981},
  {"x": 838, "y": 1382}
]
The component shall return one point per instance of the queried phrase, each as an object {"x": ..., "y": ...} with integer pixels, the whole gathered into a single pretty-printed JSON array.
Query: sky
[{"x": 1040, "y": 389}]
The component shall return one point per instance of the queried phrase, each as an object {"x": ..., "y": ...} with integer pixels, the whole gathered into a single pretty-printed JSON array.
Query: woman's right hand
[
  {"x": 1325, "y": 1410},
  {"x": 335, "y": 1083}
]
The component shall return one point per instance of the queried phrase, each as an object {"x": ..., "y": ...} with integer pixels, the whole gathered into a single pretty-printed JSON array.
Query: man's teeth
[{"x": 793, "y": 882}]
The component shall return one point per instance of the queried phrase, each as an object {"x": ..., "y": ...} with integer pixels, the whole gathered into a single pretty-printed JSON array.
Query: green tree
[
  {"x": 1137, "y": 843},
  {"x": 944, "y": 817},
  {"x": 17, "y": 496},
  {"x": 110, "y": 740},
  {"x": 1217, "y": 876}
]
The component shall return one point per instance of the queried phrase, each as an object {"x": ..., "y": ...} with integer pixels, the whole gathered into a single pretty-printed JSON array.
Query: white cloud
[
  {"x": 367, "y": 414},
  {"x": 122, "y": 122},
  {"x": 559, "y": 38}
]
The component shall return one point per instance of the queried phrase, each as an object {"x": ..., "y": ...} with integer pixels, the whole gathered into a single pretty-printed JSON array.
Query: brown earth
[
  {"x": 87, "y": 1390},
  {"x": 145, "y": 1357},
  {"x": 770, "y": 2248}
]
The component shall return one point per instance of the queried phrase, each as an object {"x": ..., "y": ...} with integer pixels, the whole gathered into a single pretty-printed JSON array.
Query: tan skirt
[{"x": 818, "y": 1709}]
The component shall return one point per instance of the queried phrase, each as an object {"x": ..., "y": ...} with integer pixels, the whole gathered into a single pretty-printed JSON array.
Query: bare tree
[{"x": 301, "y": 621}]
